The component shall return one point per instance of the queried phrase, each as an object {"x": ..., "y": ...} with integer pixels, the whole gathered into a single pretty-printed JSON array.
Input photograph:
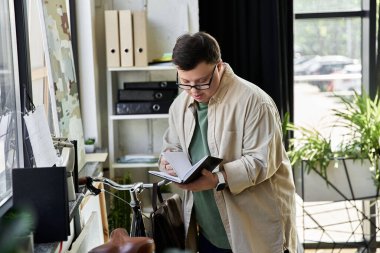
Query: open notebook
[{"x": 185, "y": 171}]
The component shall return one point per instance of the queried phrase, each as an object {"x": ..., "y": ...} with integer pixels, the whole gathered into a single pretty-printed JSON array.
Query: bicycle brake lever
[{"x": 92, "y": 188}]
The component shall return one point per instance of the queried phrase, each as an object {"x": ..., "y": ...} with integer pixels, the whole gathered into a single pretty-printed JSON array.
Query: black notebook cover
[{"x": 44, "y": 190}]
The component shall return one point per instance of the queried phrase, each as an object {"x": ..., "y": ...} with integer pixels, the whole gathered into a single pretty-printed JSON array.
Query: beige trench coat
[{"x": 244, "y": 128}]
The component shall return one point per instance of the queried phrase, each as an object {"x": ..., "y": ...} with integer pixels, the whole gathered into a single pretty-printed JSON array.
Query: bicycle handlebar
[{"x": 136, "y": 187}]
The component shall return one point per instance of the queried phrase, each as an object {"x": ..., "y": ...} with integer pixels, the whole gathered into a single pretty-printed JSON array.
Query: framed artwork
[{"x": 63, "y": 84}]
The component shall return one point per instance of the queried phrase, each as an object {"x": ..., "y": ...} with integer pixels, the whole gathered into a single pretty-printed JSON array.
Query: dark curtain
[{"x": 256, "y": 39}]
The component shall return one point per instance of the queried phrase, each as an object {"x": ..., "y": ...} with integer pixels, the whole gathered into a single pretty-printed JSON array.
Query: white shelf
[
  {"x": 135, "y": 165},
  {"x": 147, "y": 68},
  {"x": 139, "y": 116},
  {"x": 115, "y": 77}
]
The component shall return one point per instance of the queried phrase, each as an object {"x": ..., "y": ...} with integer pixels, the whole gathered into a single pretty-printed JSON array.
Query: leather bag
[{"x": 167, "y": 225}]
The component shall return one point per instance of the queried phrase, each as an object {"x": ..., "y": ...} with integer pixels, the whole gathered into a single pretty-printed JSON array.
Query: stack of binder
[
  {"x": 126, "y": 38},
  {"x": 146, "y": 97}
]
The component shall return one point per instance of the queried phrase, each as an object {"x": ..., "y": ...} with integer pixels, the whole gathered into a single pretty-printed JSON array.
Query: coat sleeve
[{"x": 262, "y": 149}]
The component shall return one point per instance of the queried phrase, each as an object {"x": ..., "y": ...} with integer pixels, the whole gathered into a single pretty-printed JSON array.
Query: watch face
[{"x": 220, "y": 186}]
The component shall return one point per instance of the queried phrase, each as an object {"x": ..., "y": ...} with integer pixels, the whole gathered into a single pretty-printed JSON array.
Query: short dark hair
[{"x": 192, "y": 49}]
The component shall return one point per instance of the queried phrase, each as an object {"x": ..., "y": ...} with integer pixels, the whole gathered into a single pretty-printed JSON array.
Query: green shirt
[{"x": 206, "y": 211}]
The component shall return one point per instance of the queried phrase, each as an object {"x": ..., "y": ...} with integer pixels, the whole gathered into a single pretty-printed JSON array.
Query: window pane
[
  {"x": 8, "y": 127},
  {"x": 327, "y": 62},
  {"x": 307, "y": 6},
  {"x": 328, "y": 37}
]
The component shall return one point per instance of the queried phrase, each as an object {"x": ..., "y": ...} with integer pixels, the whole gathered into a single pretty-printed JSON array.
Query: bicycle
[
  {"x": 166, "y": 227},
  {"x": 137, "y": 224}
]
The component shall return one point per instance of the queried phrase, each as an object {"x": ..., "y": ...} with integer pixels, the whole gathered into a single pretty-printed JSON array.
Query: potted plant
[
  {"x": 89, "y": 145},
  {"x": 350, "y": 170}
]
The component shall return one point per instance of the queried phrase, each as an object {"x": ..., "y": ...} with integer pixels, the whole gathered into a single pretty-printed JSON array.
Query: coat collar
[{"x": 220, "y": 93}]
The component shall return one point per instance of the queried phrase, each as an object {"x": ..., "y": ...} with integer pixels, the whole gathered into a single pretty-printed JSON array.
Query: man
[{"x": 248, "y": 205}]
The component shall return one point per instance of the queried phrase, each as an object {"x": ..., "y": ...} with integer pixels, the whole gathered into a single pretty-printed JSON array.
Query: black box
[
  {"x": 147, "y": 95},
  {"x": 150, "y": 85},
  {"x": 44, "y": 191},
  {"x": 158, "y": 107}
]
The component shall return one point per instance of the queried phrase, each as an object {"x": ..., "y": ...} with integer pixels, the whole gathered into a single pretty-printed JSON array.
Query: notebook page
[{"x": 179, "y": 161}]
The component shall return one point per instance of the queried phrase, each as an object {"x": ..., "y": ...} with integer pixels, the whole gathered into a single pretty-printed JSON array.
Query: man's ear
[{"x": 219, "y": 65}]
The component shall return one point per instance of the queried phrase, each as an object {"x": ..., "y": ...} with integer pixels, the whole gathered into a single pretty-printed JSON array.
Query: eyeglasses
[{"x": 199, "y": 86}]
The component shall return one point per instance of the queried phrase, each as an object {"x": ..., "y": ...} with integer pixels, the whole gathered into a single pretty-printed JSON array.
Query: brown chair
[{"x": 121, "y": 242}]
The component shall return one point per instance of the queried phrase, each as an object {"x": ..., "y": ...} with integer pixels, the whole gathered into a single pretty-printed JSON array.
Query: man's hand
[
  {"x": 206, "y": 182},
  {"x": 167, "y": 167}
]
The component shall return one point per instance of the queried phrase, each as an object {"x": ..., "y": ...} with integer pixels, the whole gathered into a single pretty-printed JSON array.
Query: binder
[
  {"x": 126, "y": 38},
  {"x": 154, "y": 107},
  {"x": 151, "y": 85},
  {"x": 147, "y": 95},
  {"x": 112, "y": 38},
  {"x": 140, "y": 38}
]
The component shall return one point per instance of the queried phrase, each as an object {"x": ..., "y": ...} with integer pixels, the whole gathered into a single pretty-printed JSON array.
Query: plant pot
[
  {"x": 89, "y": 148},
  {"x": 350, "y": 180}
]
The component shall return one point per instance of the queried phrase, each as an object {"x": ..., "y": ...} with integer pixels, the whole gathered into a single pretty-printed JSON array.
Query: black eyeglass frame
[{"x": 203, "y": 86}]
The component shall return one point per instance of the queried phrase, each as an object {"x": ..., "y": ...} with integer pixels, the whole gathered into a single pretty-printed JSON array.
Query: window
[
  {"x": 332, "y": 51},
  {"x": 10, "y": 120},
  {"x": 321, "y": 6},
  {"x": 335, "y": 53}
]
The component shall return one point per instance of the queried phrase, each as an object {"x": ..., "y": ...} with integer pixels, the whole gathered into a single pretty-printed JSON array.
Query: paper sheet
[
  {"x": 40, "y": 138},
  {"x": 179, "y": 161}
]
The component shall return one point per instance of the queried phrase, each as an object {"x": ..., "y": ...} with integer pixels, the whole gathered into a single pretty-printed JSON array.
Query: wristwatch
[{"x": 221, "y": 182}]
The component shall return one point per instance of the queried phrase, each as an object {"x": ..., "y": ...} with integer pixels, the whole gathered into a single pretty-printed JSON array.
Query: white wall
[{"x": 88, "y": 69}]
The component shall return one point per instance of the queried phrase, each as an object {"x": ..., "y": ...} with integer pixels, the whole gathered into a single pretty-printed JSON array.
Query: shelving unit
[
  {"x": 139, "y": 116},
  {"x": 117, "y": 145}
]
